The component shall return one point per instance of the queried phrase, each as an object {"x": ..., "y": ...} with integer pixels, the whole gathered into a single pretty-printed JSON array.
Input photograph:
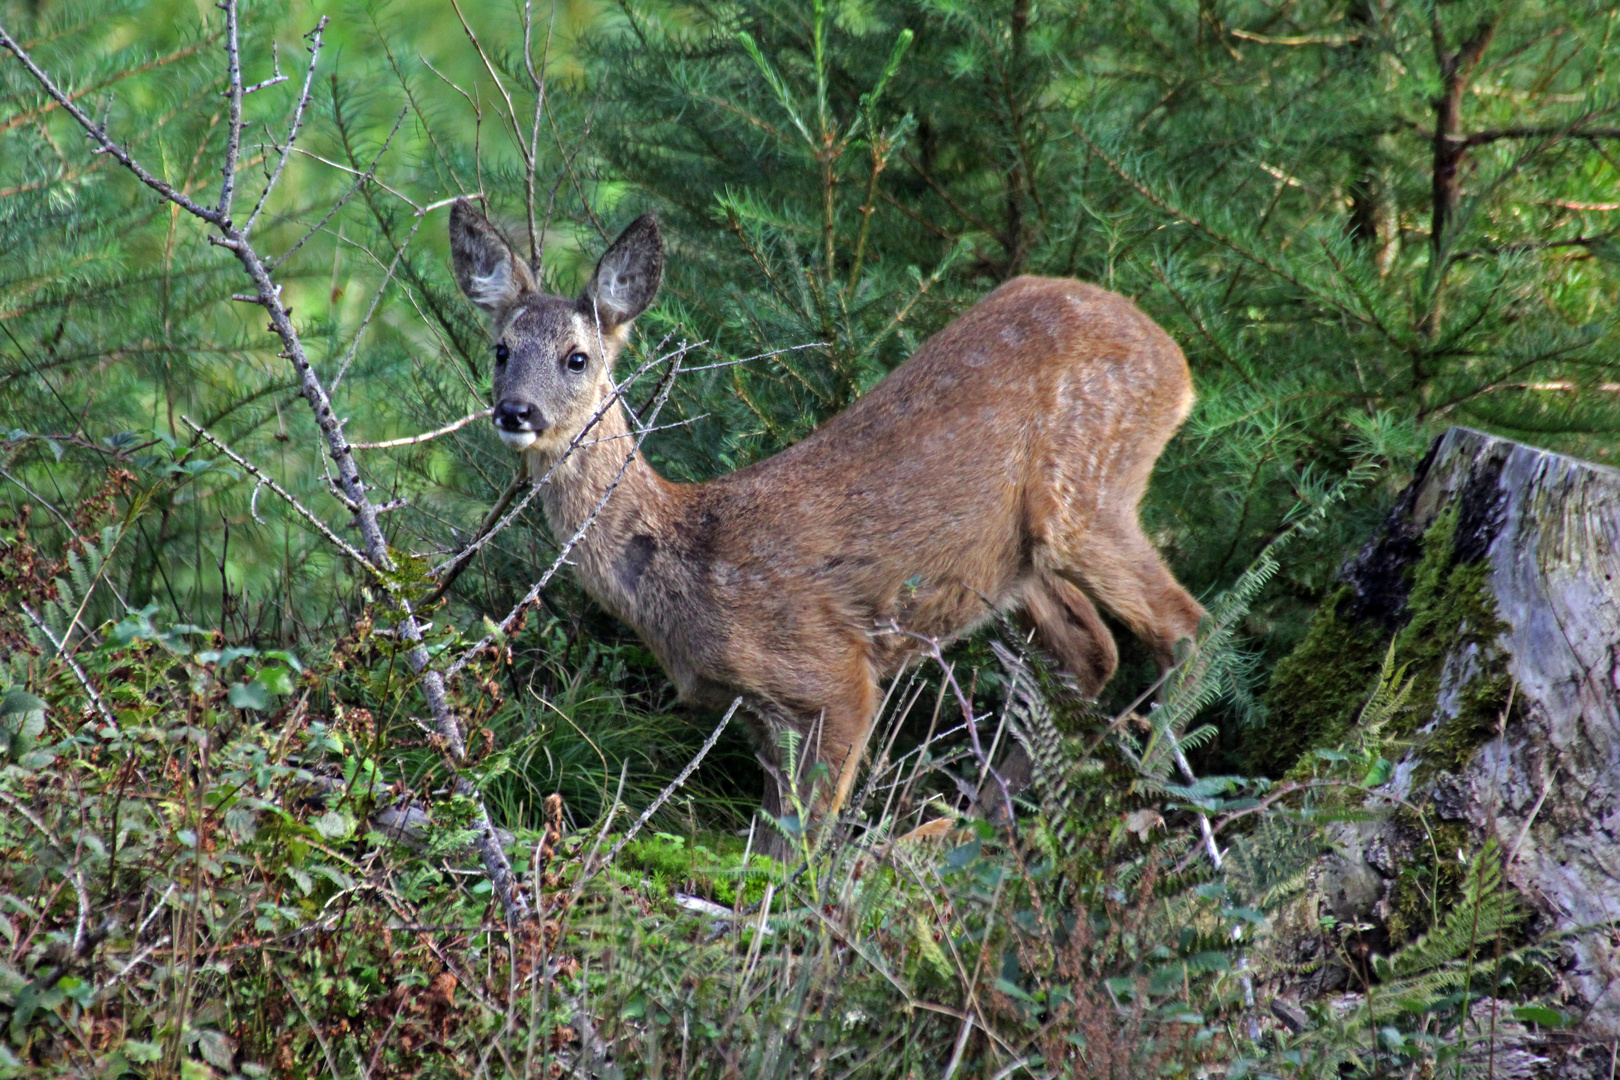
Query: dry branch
[
  {"x": 73, "y": 665},
  {"x": 267, "y": 293},
  {"x": 426, "y": 436}
]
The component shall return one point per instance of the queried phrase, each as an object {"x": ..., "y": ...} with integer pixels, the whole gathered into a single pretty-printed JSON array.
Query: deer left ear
[
  {"x": 628, "y": 276},
  {"x": 487, "y": 269}
]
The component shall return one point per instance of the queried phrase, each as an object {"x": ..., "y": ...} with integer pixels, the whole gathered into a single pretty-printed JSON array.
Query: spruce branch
[
  {"x": 27, "y": 116},
  {"x": 104, "y": 142},
  {"x": 1480, "y": 138}
]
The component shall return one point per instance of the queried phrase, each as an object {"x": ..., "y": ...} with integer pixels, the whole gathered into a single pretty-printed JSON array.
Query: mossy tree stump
[{"x": 1497, "y": 578}]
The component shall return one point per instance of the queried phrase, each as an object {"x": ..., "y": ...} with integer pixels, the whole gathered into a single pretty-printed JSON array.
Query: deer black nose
[{"x": 513, "y": 415}]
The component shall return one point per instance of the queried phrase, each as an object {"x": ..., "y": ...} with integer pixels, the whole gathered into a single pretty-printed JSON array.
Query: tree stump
[{"x": 1497, "y": 577}]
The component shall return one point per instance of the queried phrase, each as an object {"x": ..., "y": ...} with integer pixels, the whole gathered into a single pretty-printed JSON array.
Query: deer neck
[{"x": 605, "y": 494}]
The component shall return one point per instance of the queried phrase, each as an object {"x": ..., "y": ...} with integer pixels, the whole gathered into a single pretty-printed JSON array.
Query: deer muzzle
[{"x": 518, "y": 423}]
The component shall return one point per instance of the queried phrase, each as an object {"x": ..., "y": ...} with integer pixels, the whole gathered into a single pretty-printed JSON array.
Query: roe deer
[{"x": 1000, "y": 467}]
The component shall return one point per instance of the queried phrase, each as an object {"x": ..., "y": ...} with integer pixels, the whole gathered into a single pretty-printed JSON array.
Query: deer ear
[
  {"x": 487, "y": 269},
  {"x": 627, "y": 278}
]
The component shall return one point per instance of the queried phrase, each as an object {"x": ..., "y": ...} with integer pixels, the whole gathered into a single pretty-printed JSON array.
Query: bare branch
[
  {"x": 362, "y": 179},
  {"x": 103, "y": 141},
  {"x": 1301, "y": 39},
  {"x": 579, "y": 534},
  {"x": 442, "y": 203},
  {"x": 78, "y": 672},
  {"x": 66, "y": 524},
  {"x": 233, "y": 130},
  {"x": 297, "y": 122},
  {"x": 1601, "y": 206},
  {"x": 537, "y": 80},
  {"x": 932, "y": 647},
  {"x": 458, "y": 562},
  {"x": 1480, "y": 138},
  {"x": 28, "y": 115},
  {"x": 265, "y": 480},
  {"x": 426, "y": 436},
  {"x": 453, "y": 569},
  {"x": 673, "y": 786},
  {"x": 275, "y": 66},
  {"x": 338, "y": 450},
  {"x": 478, "y": 47},
  {"x": 359, "y": 332},
  {"x": 340, "y": 167},
  {"x": 756, "y": 356}
]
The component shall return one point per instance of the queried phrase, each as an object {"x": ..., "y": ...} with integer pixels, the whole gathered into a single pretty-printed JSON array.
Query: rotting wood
[{"x": 1543, "y": 531}]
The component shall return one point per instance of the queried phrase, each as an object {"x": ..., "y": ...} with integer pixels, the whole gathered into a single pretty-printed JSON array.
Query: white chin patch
[{"x": 517, "y": 440}]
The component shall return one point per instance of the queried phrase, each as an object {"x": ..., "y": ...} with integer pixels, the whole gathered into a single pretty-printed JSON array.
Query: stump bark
[{"x": 1538, "y": 535}]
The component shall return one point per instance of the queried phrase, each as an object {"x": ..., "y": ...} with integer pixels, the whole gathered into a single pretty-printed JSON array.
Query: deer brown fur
[{"x": 999, "y": 468}]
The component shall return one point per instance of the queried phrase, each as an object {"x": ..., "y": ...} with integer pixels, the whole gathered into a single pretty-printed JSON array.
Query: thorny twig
[
  {"x": 233, "y": 132},
  {"x": 73, "y": 665},
  {"x": 104, "y": 142},
  {"x": 674, "y": 785},
  {"x": 360, "y": 181},
  {"x": 265, "y": 480},
  {"x": 258, "y": 270},
  {"x": 297, "y": 123},
  {"x": 456, "y": 563}
]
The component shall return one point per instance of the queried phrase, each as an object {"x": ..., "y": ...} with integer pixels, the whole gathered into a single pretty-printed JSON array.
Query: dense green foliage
[
  {"x": 210, "y": 890},
  {"x": 1363, "y": 220}
]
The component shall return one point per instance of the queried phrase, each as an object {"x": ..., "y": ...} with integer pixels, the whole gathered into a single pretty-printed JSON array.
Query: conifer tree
[{"x": 1363, "y": 221}]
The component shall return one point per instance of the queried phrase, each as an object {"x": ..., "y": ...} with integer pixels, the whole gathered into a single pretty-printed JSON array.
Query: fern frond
[{"x": 1486, "y": 909}]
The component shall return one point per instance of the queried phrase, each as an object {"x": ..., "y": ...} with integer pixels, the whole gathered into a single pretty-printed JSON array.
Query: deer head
[{"x": 553, "y": 356}]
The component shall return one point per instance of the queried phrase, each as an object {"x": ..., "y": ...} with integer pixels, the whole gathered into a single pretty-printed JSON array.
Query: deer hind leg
[
  {"x": 1068, "y": 625},
  {"x": 1117, "y": 566}
]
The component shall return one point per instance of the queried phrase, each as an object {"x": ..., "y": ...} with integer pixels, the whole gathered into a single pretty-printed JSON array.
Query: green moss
[
  {"x": 1431, "y": 882},
  {"x": 1452, "y": 610},
  {"x": 661, "y": 863},
  {"x": 1318, "y": 691},
  {"x": 1317, "y": 694}
]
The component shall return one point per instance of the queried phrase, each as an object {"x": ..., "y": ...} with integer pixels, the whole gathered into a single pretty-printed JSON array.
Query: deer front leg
[
  {"x": 835, "y": 734},
  {"x": 847, "y": 730}
]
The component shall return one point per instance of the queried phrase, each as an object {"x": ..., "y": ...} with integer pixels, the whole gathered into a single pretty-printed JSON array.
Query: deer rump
[{"x": 999, "y": 468}]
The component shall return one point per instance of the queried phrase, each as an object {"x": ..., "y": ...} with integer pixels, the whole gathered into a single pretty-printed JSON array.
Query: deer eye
[
  {"x": 501, "y": 353},
  {"x": 577, "y": 361}
]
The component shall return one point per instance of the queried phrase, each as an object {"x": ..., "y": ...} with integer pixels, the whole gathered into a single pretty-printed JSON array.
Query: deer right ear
[
  {"x": 487, "y": 269},
  {"x": 628, "y": 276}
]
